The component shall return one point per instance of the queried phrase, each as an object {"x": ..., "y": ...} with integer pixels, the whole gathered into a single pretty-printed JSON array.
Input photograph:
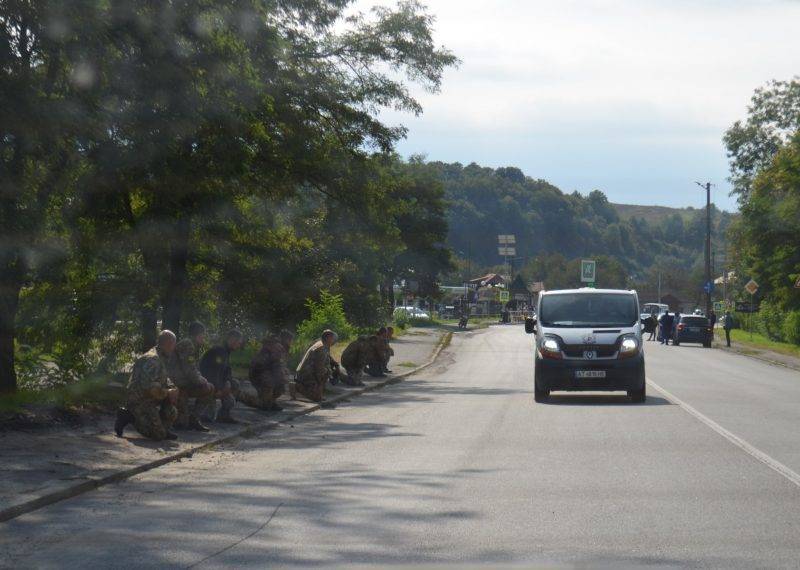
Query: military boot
[
  {"x": 194, "y": 424},
  {"x": 124, "y": 417}
]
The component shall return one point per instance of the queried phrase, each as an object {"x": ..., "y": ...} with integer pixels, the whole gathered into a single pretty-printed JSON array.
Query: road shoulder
[{"x": 46, "y": 467}]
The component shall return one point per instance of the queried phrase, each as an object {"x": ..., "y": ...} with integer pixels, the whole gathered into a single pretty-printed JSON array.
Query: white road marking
[{"x": 773, "y": 464}]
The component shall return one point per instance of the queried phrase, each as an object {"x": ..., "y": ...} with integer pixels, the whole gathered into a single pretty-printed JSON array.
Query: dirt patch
[{"x": 44, "y": 417}]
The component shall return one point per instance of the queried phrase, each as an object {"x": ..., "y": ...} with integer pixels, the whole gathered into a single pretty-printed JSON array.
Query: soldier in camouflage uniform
[
  {"x": 216, "y": 367},
  {"x": 379, "y": 353},
  {"x": 184, "y": 373},
  {"x": 355, "y": 357},
  {"x": 315, "y": 369},
  {"x": 269, "y": 371},
  {"x": 389, "y": 350},
  {"x": 151, "y": 394}
]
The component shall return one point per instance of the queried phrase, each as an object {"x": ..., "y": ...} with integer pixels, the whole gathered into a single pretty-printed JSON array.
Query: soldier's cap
[
  {"x": 328, "y": 332},
  {"x": 196, "y": 328}
]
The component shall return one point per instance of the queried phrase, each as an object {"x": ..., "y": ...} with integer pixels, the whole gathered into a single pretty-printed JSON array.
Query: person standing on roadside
[
  {"x": 728, "y": 326},
  {"x": 650, "y": 326},
  {"x": 675, "y": 322},
  {"x": 665, "y": 327},
  {"x": 712, "y": 320}
]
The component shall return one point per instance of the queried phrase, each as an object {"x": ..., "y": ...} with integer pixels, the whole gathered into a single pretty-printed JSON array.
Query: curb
[
  {"x": 249, "y": 431},
  {"x": 761, "y": 358}
]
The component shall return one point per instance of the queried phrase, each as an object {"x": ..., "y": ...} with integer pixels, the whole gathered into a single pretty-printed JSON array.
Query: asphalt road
[{"x": 459, "y": 465}]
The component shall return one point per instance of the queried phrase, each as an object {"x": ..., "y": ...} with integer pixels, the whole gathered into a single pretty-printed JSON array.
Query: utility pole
[
  {"x": 659, "y": 287},
  {"x": 708, "y": 284}
]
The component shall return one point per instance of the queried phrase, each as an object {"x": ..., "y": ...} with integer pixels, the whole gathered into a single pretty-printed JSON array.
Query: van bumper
[{"x": 625, "y": 374}]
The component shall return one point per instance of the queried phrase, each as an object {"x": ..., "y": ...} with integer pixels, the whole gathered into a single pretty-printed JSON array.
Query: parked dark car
[{"x": 694, "y": 329}]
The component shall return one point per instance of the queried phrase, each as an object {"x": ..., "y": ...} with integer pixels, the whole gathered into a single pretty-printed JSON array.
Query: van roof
[{"x": 589, "y": 291}]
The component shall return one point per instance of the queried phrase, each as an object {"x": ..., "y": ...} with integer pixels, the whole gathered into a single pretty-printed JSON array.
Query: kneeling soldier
[
  {"x": 316, "y": 369},
  {"x": 184, "y": 373},
  {"x": 151, "y": 394},
  {"x": 355, "y": 358},
  {"x": 216, "y": 366},
  {"x": 269, "y": 371}
]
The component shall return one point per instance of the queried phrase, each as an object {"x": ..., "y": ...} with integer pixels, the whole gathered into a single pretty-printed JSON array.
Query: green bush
[
  {"x": 327, "y": 313},
  {"x": 791, "y": 327},
  {"x": 769, "y": 321},
  {"x": 401, "y": 319}
]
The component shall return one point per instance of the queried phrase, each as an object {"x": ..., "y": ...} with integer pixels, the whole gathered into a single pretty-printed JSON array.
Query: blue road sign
[{"x": 709, "y": 287}]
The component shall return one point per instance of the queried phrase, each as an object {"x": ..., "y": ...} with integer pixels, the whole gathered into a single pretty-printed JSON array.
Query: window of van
[{"x": 588, "y": 310}]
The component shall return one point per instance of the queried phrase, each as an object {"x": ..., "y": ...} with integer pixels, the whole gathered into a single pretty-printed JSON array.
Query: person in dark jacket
[
  {"x": 712, "y": 320},
  {"x": 665, "y": 323},
  {"x": 650, "y": 326},
  {"x": 216, "y": 368},
  {"x": 728, "y": 325}
]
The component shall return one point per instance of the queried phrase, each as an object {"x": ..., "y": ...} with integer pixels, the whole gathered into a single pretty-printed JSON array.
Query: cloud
[{"x": 632, "y": 82}]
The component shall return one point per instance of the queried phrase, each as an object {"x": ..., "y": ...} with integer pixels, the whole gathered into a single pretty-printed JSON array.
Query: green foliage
[
  {"x": 791, "y": 327},
  {"x": 770, "y": 320},
  {"x": 554, "y": 230},
  {"x": 326, "y": 313},
  {"x": 773, "y": 117},
  {"x": 401, "y": 319},
  {"x": 161, "y": 162}
]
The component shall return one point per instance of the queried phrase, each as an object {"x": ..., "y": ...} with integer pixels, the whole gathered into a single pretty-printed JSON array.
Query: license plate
[
  {"x": 694, "y": 329},
  {"x": 590, "y": 374}
]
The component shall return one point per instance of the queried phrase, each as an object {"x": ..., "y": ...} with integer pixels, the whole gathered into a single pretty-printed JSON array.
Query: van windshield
[{"x": 588, "y": 310}]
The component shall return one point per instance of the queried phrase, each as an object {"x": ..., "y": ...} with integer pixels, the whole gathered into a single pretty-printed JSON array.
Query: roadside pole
[{"x": 707, "y": 187}]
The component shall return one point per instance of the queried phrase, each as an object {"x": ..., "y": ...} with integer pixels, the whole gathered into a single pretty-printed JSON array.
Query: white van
[{"x": 588, "y": 339}]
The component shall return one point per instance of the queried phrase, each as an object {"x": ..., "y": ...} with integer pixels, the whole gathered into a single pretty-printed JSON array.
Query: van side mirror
[{"x": 530, "y": 325}]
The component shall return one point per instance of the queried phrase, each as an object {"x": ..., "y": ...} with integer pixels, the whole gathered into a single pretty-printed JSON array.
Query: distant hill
[{"x": 652, "y": 214}]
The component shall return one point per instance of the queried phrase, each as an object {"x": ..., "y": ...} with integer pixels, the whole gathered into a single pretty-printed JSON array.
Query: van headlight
[
  {"x": 629, "y": 346},
  {"x": 550, "y": 347}
]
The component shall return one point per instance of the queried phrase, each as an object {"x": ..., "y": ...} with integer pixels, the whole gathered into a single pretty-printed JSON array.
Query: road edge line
[
  {"x": 748, "y": 448},
  {"x": 250, "y": 431}
]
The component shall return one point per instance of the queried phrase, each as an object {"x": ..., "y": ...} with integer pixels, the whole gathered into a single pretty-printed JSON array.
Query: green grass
[
  {"x": 407, "y": 364},
  {"x": 90, "y": 392},
  {"x": 762, "y": 342}
]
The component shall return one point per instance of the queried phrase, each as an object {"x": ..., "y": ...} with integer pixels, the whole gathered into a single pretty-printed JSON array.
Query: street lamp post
[{"x": 708, "y": 284}]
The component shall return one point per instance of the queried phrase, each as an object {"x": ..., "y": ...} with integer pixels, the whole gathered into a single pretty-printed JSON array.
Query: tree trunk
[
  {"x": 10, "y": 286},
  {"x": 178, "y": 275},
  {"x": 148, "y": 327}
]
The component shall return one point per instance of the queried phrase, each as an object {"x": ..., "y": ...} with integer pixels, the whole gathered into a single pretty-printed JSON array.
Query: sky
[{"x": 631, "y": 97}]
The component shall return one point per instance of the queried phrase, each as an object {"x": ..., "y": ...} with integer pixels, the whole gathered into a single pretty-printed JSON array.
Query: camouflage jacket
[
  {"x": 149, "y": 379},
  {"x": 316, "y": 364},
  {"x": 270, "y": 366},
  {"x": 183, "y": 364},
  {"x": 359, "y": 353}
]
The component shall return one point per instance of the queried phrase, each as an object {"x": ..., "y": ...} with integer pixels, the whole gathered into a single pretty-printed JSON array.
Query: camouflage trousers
[
  {"x": 153, "y": 419},
  {"x": 202, "y": 403},
  {"x": 353, "y": 377},
  {"x": 311, "y": 388}
]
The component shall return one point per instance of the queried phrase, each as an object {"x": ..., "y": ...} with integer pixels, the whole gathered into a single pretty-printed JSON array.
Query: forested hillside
[{"x": 485, "y": 202}]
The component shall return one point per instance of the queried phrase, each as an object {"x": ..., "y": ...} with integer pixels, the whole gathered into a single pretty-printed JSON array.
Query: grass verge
[{"x": 759, "y": 341}]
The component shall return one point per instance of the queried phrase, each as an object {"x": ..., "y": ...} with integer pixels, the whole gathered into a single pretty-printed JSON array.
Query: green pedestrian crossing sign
[{"x": 588, "y": 271}]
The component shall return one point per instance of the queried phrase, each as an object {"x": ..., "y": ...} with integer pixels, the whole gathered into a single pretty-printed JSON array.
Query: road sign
[
  {"x": 504, "y": 296},
  {"x": 751, "y": 287},
  {"x": 745, "y": 307},
  {"x": 588, "y": 270},
  {"x": 506, "y": 239},
  {"x": 709, "y": 287},
  {"x": 505, "y": 251}
]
